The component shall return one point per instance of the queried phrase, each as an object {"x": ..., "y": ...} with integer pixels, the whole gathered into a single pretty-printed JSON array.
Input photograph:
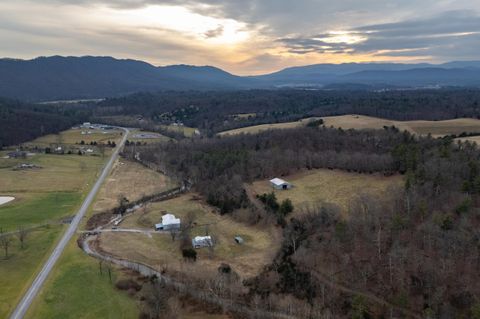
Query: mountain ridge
[{"x": 70, "y": 77}]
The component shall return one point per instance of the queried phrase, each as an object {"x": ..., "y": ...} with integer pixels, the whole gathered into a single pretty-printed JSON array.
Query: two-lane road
[{"x": 27, "y": 299}]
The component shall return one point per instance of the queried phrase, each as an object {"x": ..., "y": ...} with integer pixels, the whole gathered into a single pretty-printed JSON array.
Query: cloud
[
  {"x": 214, "y": 33},
  {"x": 248, "y": 36},
  {"x": 439, "y": 36}
]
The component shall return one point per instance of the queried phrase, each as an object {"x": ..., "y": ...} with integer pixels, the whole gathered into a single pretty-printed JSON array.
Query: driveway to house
[{"x": 37, "y": 284}]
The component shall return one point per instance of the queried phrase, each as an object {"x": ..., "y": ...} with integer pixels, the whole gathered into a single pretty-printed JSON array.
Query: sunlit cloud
[
  {"x": 243, "y": 37},
  {"x": 178, "y": 19}
]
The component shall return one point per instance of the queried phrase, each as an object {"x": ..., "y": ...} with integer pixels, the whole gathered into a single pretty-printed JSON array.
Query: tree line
[{"x": 213, "y": 112}]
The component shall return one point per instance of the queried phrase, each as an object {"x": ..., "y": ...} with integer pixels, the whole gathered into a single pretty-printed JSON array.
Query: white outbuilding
[
  {"x": 202, "y": 241},
  {"x": 279, "y": 183},
  {"x": 169, "y": 222}
]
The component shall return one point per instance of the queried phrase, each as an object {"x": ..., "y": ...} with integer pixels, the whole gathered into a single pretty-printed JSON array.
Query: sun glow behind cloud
[
  {"x": 181, "y": 21},
  {"x": 346, "y": 37},
  {"x": 251, "y": 37}
]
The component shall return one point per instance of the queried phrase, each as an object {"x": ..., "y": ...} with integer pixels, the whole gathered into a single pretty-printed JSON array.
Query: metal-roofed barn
[{"x": 279, "y": 183}]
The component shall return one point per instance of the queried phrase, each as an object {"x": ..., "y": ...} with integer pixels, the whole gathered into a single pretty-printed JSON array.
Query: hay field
[
  {"x": 329, "y": 186},
  {"x": 131, "y": 180},
  {"x": 352, "y": 121},
  {"x": 264, "y": 127},
  {"x": 159, "y": 249},
  {"x": 436, "y": 128},
  {"x": 74, "y": 136}
]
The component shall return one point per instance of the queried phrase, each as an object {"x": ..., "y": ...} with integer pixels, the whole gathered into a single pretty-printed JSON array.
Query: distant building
[
  {"x": 17, "y": 154},
  {"x": 87, "y": 124},
  {"x": 239, "y": 240},
  {"x": 202, "y": 241},
  {"x": 169, "y": 222},
  {"x": 279, "y": 183}
]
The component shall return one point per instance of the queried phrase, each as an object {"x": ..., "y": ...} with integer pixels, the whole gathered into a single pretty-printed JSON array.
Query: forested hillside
[
  {"x": 414, "y": 254},
  {"x": 20, "y": 122},
  {"x": 60, "y": 78},
  {"x": 212, "y": 112}
]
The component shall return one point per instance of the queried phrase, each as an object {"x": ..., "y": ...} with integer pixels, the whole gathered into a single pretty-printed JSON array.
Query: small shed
[
  {"x": 279, "y": 183},
  {"x": 202, "y": 241},
  {"x": 169, "y": 222}
]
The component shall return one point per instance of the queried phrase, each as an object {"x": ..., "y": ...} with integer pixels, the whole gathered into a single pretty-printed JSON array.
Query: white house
[
  {"x": 169, "y": 221},
  {"x": 202, "y": 241},
  {"x": 279, "y": 183}
]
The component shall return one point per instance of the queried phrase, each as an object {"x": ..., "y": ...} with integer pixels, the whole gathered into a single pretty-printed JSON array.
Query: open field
[
  {"x": 131, "y": 180},
  {"x": 50, "y": 192},
  {"x": 68, "y": 292},
  {"x": 187, "y": 131},
  {"x": 17, "y": 271},
  {"x": 76, "y": 289},
  {"x": 43, "y": 195},
  {"x": 329, "y": 186},
  {"x": 436, "y": 128},
  {"x": 159, "y": 250},
  {"x": 74, "y": 136},
  {"x": 264, "y": 127},
  {"x": 352, "y": 121}
]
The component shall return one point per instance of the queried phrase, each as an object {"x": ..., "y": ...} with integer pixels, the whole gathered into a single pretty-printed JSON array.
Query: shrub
[{"x": 189, "y": 254}]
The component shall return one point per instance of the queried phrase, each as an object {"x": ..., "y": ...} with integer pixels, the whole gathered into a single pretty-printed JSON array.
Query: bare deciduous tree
[
  {"x": 22, "y": 233},
  {"x": 5, "y": 242}
]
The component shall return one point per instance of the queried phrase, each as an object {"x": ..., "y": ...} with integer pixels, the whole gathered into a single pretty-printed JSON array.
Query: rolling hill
[{"x": 60, "y": 78}]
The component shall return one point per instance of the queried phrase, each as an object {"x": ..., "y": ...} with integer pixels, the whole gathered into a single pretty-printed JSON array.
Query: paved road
[{"x": 27, "y": 299}]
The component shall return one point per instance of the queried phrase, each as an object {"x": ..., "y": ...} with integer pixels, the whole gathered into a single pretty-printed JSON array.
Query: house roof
[
  {"x": 169, "y": 219},
  {"x": 278, "y": 181}
]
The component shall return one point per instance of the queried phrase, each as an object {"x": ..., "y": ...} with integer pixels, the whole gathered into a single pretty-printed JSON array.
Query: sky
[{"x": 244, "y": 36}]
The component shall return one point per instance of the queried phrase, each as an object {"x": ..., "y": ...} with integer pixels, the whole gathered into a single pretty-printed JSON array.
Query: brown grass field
[
  {"x": 159, "y": 250},
  {"x": 329, "y": 186},
  {"x": 436, "y": 128},
  {"x": 131, "y": 180},
  {"x": 74, "y": 136},
  {"x": 352, "y": 121},
  {"x": 264, "y": 127}
]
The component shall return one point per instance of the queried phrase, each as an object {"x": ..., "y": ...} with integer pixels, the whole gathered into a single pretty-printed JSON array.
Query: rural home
[
  {"x": 169, "y": 222},
  {"x": 202, "y": 241},
  {"x": 279, "y": 183}
]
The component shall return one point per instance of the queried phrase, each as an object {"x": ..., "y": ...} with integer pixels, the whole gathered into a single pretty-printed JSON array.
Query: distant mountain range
[{"x": 57, "y": 78}]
